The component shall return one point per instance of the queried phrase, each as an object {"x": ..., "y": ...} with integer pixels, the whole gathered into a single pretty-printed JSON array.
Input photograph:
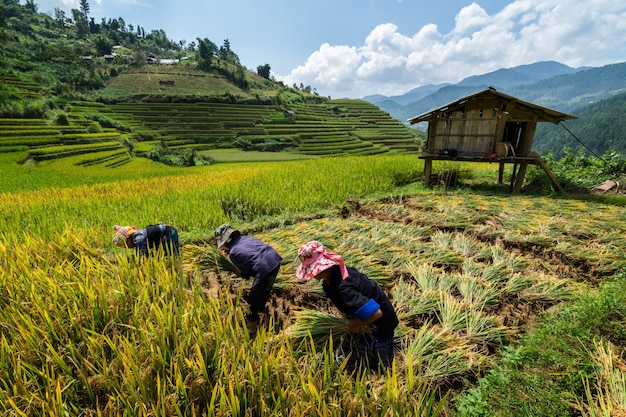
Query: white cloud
[
  {"x": 330, "y": 66},
  {"x": 469, "y": 19},
  {"x": 525, "y": 31}
]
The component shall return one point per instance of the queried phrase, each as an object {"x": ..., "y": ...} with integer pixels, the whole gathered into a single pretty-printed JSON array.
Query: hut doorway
[{"x": 513, "y": 134}]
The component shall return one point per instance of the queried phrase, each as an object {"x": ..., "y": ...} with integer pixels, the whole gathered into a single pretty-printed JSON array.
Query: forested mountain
[
  {"x": 600, "y": 127},
  {"x": 523, "y": 74},
  {"x": 565, "y": 92},
  {"x": 585, "y": 93},
  {"x": 569, "y": 92}
]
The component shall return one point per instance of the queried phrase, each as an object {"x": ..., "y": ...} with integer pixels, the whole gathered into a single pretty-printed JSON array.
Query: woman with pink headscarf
[{"x": 361, "y": 299}]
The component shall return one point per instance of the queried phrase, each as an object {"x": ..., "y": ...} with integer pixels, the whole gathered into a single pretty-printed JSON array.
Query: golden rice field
[{"x": 86, "y": 329}]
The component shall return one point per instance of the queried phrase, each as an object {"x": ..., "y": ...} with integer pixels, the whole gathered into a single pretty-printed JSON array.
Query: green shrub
[
  {"x": 186, "y": 157},
  {"x": 578, "y": 171},
  {"x": 62, "y": 119},
  {"x": 94, "y": 128}
]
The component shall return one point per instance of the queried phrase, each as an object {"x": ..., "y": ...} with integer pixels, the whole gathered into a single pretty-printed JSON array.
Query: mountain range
[
  {"x": 547, "y": 83},
  {"x": 595, "y": 95}
]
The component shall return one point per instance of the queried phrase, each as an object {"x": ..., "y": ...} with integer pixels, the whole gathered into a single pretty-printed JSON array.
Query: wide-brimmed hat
[
  {"x": 315, "y": 259},
  {"x": 122, "y": 233},
  {"x": 225, "y": 234}
]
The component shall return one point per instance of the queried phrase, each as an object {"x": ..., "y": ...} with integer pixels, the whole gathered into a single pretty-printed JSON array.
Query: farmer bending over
[
  {"x": 147, "y": 240},
  {"x": 361, "y": 299},
  {"x": 252, "y": 258}
]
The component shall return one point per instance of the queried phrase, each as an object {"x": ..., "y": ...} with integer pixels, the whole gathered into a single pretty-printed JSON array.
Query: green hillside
[
  {"x": 109, "y": 92},
  {"x": 599, "y": 128}
]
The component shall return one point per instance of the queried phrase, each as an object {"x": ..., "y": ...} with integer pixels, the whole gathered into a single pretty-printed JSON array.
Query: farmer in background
[
  {"x": 252, "y": 258},
  {"x": 147, "y": 240},
  {"x": 371, "y": 317}
]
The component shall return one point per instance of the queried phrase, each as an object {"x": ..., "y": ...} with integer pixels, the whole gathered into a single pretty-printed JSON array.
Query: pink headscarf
[{"x": 315, "y": 259}]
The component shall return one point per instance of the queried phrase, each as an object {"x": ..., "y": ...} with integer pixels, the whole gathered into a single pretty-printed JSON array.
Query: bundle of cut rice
[{"x": 318, "y": 325}]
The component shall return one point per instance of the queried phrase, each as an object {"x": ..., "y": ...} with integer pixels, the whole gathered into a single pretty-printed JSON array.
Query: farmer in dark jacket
[
  {"x": 253, "y": 259},
  {"x": 371, "y": 317},
  {"x": 147, "y": 240}
]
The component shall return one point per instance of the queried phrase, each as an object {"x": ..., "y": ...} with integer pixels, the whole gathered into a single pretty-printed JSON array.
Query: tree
[
  {"x": 103, "y": 45},
  {"x": 31, "y": 5},
  {"x": 227, "y": 54},
  {"x": 239, "y": 78},
  {"x": 59, "y": 15},
  {"x": 2, "y": 24},
  {"x": 84, "y": 8},
  {"x": 264, "y": 71},
  {"x": 82, "y": 26},
  {"x": 122, "y": 24},
  {"x": 93, "y": 26},
  {"x": 206, "y": 52}
]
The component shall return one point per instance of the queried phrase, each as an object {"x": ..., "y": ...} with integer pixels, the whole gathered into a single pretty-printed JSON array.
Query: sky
[{"x": 357, "y": 48}]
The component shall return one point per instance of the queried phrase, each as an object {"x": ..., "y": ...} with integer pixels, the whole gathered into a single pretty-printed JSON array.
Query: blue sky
[{"x": 355, "y": 48}]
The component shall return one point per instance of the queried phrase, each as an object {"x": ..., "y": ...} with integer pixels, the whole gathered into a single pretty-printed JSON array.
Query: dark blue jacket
[
  {"x": 253, "y": 258},
  {"x": 359, "y": 296}
]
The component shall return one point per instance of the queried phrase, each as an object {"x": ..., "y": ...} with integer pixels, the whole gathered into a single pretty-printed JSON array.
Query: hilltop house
[{"x": 487, "y": 126}]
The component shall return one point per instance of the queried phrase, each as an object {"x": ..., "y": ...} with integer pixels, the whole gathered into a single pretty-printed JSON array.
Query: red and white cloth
[{"x": 315, "y": 259}]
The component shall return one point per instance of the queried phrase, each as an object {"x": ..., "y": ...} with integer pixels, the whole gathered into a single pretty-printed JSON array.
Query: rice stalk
[
  {"x": 503, "y": 259},
  {"x": 426, "y": 342},
  {"x": 464, "y": 245},
  {"x": 207, "y": 257},
  {"x": 477, "y": 293},
  {"x": 410, "y": 302},
  {"x": 441, "y": 239},
  {"x": 427, "y": 277},
  {"x": 517, "y": 283},
  {"x": 317, "y": 325},
  {"x": 495, "y": 275},
  {"x": 608, "y": 397},
  {"x": 436, "y": 355},
  {"x": 452, "y": 361},
  {"x": 451, "y": 313},
  {"x": 547, "y": 289},
  {"x": 484, "y": 329}
]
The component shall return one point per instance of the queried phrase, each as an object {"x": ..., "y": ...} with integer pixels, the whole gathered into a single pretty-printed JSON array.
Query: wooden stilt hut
[{"x": 487, "y": 126}]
